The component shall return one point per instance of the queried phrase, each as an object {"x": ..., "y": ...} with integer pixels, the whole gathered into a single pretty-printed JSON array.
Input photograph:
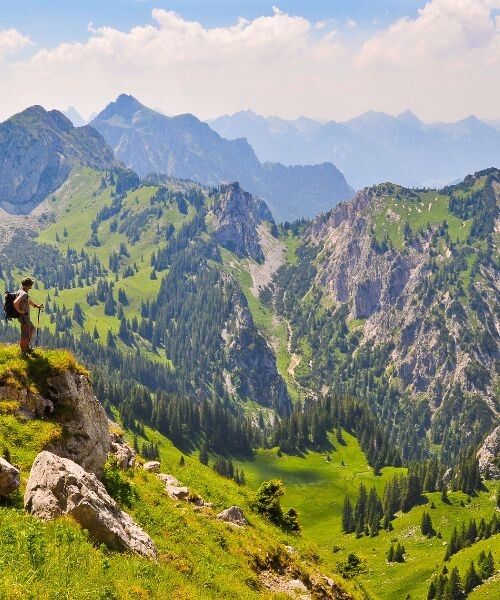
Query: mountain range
[
  {"x": 374, "y": 147},
  {"x": 360, "y": 347},
  {"x": 185, "y": 147}
]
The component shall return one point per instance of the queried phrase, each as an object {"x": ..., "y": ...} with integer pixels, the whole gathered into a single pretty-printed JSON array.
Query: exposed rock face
[
  {"x": 184, "y": 147},
  {"x": 38, "y": 149},
  {"x": 236, "y": 217},
  {"x": 86, "y": 439},
  {"x": 169, "y": 479},
  {"x": 58, "y": 486},
  {"x": 123, "y": 453},
  {"x": 233, "y": 515},
  {"x": 10, "y": 478},
  {"x": 31, "y": 404},
  {"x": 440, "y": 341},
  {"x": 489, "y": 455},
  {"x": 252, "y": 360}
]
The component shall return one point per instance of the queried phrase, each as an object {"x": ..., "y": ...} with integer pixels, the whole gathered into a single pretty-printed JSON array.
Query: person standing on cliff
[{"x": 22, "y": 304}]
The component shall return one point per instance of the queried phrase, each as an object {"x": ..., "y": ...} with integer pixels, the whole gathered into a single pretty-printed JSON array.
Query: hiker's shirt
[{"x": 24, "y": 305}]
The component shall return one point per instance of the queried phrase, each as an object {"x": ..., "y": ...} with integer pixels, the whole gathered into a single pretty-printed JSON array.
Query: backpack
[{"x": 8, "y": 306}]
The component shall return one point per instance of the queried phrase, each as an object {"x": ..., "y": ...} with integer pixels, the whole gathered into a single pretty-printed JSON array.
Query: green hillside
[
  {"x": 199, "y": 557},
  {"x": 317, "y": 487}
]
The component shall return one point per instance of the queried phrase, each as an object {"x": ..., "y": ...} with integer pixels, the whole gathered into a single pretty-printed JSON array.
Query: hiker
[{"x": 22, "y": 305}]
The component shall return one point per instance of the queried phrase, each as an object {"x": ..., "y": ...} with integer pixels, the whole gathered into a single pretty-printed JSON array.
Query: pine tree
[
  {"x": 347, "y": 516},
  {"x": 390, "y": 554},
  {"x": 471, "y": 579},
  {"x": 453, "y": 588},
  {"x": 431, "y": 594},
  {"x": 182, "y": 461},
  {"x": 360, "y": 510},
  {"x": 203, "y": 456},
  {"x": 426, "y": 525}
]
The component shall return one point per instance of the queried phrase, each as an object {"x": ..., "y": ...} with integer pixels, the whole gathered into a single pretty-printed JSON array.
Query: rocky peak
[
  {"x": 396, "y": 259},
  {"x": 38, "y": 149},
  {"x": 236, "y": 215}
]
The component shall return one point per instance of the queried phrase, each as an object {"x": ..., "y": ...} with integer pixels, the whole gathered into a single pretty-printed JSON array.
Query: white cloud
[
  {"x": 444, "y": 30},
  {"x": 11, "y": 41},
  {"x": 281, "y": 64},
  {"x": 351, "y": 23}
]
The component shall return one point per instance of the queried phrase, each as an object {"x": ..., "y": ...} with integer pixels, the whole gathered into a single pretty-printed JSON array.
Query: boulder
[
  {"x": 233, "y": 515},
  {"x": 177, "y": 492},
  {"x": 86, "y": 440},
  {"x": 58, "y": 486},
  {"x": 153, "y": 466},
  {"x": 10, "y": 478},
  {"x": 169, "y": 479}
]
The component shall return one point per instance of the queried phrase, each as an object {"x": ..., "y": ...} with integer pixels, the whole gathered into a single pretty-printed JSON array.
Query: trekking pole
[{"x": 37, "y": 328}]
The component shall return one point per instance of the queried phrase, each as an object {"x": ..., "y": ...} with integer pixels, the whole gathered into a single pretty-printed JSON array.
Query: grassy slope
[
  {"x": 317, "y": 489},
  {"x": 77, "y": 206},
  {"x": 199, "y": 557}
]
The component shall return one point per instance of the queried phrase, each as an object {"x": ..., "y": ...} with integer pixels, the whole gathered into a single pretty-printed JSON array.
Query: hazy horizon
[{"x": 329, "y": 61}]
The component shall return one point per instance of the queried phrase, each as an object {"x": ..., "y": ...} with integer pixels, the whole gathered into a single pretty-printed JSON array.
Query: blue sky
[
  {"x": 49, "y": 22},
  {"x": 330, "y": 59}
]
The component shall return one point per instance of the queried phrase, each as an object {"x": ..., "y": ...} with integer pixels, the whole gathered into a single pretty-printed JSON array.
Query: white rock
[
  {"x": 86, "y": 438},
  {"x": 169, "y": 479},
  {"x": 10, "y": 478},
  {"x": 58, "y": 486},
  {"x": 153, "y": 466},
  {"x": 488, "y": 454},
  {"x": 176, "y": 492},
  {"x": 233, "y": 515}
]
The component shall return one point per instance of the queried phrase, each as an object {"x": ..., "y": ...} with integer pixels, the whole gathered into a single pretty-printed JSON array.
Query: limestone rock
[
  {"x": 31, "y": 404},
  {"x": 153, "y": 466},
  {"x": 169, "y": 479},
  {"x": 122, "y": 452},
  {"x": 177, "y": 493},
  {"x": 233, "y": 515},
  {"x": 58, "y": 486},
  {"x": 489, "y": 455},
  {"x": 235, "y": 220},
  {"x": 10, "y": 478},
  {"x": 86, "y": 438}
]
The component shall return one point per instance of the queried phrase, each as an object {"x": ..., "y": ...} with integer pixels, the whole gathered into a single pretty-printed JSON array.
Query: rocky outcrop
[
  {"x": 86, "y": 439},
  {"x": 236, "y": 216},
  {"x": 489, "y": 455},
  {"x": 85, "y": 428},
  {"x": 122, "y": 452},
  {"x": 38, "y": 149},
  {"x": 252, "y": 361},
  {"x": 424, "y": 305},
  {"x": 177, "y": 491},
  {"x": 58, "y": 486},
  {"x": 10, "y": 478},
  {"x": 233, "y": 515},
  {"x": 31, "y": 404}
]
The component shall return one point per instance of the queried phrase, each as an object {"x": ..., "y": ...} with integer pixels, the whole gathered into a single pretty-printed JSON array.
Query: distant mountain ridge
[
  {"x": 38, "y": 149},
  {"x": 374, "y": 147},
  {"x": 185, "y": 147}
]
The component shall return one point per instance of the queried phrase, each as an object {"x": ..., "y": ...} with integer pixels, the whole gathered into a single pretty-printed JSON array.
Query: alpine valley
[{"x": 335, "y": 378}]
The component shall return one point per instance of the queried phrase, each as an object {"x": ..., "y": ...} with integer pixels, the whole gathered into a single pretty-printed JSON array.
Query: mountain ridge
[{"x": 185, "y": 147}]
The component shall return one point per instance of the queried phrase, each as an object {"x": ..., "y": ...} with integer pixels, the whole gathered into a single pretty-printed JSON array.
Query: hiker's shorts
[{"x": 27, "y": 327}]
